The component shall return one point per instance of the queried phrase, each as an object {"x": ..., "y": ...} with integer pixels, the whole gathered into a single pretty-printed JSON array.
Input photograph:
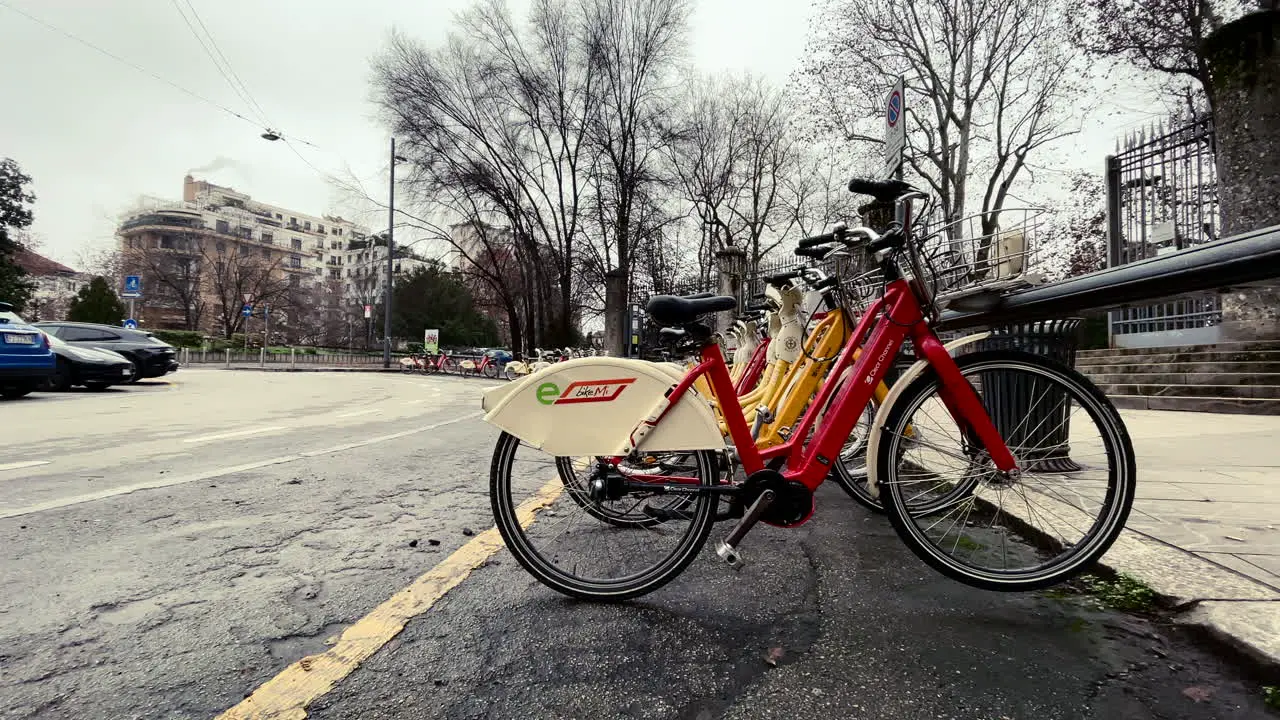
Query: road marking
[
  {"x": 26, "y": 464},
  {"x": 169, "y": 482},
  {"x": 235, "y": 434},
  {"x": 359, "y": 412},
  {"x": 287, "y": 695}
]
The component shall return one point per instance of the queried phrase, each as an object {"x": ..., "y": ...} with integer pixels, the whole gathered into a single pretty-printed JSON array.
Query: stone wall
[{"x": 1244, "y": 62}]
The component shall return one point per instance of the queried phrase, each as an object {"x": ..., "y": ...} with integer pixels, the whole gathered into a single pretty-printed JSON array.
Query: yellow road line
[{"x": 287, "y": 695}]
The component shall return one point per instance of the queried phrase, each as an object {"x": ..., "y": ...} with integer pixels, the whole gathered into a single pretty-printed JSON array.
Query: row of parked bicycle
[
  {"x": 492, "y": 364},
  {"x": 999, "y": 468}
]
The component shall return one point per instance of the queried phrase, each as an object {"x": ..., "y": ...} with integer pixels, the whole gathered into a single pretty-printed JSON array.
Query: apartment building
[
  {"x": 56, "y": 285},
  {"x": 218, "y": 246}
]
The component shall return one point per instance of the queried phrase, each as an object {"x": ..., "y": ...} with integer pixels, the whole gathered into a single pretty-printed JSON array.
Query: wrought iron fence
[{"x": 1162, "y": 196}]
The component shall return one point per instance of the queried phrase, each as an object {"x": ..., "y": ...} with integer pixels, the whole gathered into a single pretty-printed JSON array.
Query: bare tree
[
  {"x": 990, "y": 82},
  {"x": 496, "y": 123},
  {"x": 172, "y": 273},
  {"x": 814, "y": 194},
  {"x": 236, "y": 273},
  {"x": 632, "y": 47},
  {"x": 1166, "y": 36}
]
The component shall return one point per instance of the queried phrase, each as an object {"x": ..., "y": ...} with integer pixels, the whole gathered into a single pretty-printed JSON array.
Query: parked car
[
  {"x": 26, "y": 361},
  {"x": 151, "y": 357},
  {"x": 94, "y": 368}
]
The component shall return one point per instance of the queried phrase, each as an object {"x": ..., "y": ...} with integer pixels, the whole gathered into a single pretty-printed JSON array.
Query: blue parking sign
[{"x": 132, "y": 286}]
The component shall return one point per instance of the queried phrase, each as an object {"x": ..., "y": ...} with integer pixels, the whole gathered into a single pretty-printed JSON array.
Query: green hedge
[{"x": 180, "y": 338}]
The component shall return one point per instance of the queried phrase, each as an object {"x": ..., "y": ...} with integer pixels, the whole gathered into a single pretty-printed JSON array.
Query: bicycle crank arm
[{"x": 728, "y": 548}]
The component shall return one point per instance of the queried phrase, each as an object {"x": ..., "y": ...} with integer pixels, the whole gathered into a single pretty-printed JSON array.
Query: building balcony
[{"x": 163, "y": 220}]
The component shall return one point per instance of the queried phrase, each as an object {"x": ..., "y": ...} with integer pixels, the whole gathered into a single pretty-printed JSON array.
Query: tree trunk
[{"x": 615, "y": 311}]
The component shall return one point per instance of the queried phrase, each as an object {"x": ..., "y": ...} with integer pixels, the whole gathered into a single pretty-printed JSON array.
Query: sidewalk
[{"x": 1205, "y": 527}]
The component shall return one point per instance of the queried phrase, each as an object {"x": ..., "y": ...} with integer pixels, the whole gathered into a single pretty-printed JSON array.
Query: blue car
[{"x": 26, "y": 360}]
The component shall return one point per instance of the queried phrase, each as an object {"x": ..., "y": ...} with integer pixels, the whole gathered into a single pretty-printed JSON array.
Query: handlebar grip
[
  {"x": 892, "y": 238},
  {"x": 815, "y": 240},
  {"x": 817, "y": 253}
]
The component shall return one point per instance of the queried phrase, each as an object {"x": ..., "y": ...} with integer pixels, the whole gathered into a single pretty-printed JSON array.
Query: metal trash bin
[{"x": 1039, "y": 422}]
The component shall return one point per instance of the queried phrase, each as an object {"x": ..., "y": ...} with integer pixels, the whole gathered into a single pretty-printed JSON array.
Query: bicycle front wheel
[
  {"x": 1063, "y": 509},
  {"x": 570, "y": 545}
]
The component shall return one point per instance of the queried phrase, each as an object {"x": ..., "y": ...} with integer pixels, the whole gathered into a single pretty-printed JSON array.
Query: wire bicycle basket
[{"x": 985, "y": 252}]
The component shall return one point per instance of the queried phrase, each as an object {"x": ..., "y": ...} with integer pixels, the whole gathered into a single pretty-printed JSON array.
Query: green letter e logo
[{"x": 547, "y": 393}]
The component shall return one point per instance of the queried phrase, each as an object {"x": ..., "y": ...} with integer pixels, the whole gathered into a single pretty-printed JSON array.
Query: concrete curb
[{"x": 1231, "y": 609}]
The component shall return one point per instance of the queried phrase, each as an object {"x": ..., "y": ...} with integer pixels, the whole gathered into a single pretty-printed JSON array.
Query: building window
[
  {"x": 223, "y": 227},
  {"x": 297, "y": 243},
  {"x": 222, "y": 247},
  {"x": 279, "y": 217},
  {"x": 266, "y": 253},
  {"x": 319, "y": 228},
  {"x": 295, "y": 262},
  {"x": 294, "y": 280},
  {"x": 306, "y": 225},
  {"x": 293, "y": 221},
  {"x": 268, "y": 237}
]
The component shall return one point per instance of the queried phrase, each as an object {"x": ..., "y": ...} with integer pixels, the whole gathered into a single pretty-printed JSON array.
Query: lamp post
[{"x": 391, "y": 225}]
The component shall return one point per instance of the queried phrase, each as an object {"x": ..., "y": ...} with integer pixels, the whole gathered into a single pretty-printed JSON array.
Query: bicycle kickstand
[{"x": 728, "y": 548}]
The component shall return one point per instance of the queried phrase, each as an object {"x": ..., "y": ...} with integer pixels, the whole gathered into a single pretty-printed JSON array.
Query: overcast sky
[{"x": 95, "y": 134}]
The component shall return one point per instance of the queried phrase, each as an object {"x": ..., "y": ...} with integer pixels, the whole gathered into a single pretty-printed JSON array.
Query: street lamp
[{"x": 391, "y": 226}]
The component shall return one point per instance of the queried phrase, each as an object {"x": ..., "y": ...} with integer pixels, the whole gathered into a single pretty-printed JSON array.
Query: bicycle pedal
[{"x": 730, "y": 555}]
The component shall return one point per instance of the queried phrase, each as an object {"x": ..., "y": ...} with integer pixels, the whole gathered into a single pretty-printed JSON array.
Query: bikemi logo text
[{"x": 582, "y": 391}]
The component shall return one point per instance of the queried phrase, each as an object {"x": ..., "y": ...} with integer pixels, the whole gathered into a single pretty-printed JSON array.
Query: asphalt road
[{"x": 184, "y": 542}]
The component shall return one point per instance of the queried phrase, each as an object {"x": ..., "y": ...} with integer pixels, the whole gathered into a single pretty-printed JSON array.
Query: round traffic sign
[
  {"x": 131, "y": 324},
  {"x": 894, "y": 109}
]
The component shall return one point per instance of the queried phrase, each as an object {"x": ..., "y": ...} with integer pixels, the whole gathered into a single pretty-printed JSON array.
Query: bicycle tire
[
  {"x": 1121, "y": 475},
  {"x": 491, "y": 371},
  {"x": 632, "y": 586}
]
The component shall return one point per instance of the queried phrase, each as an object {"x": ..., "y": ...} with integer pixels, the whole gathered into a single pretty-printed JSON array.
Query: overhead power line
[
  {"x": 129, "y": 63},
  {"x": 219, "y": 59}
]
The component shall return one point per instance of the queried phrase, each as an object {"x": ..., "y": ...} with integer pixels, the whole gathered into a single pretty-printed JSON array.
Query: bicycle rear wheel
[
  {"x": 574, "y": 550},
  {"x": 1060, "y": 513}
]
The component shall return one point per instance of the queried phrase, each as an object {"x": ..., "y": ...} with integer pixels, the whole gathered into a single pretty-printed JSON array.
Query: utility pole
[{"x": 391, "y": 223}]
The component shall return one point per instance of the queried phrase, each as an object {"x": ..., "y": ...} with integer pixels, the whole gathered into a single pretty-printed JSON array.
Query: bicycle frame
[
  {"x": 754, "y": 368},
  {"x": 887, "y": 323}
]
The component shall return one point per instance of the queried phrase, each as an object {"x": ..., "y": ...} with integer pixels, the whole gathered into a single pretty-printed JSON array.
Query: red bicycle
[
  {"x": 998, "y": 499},
  {"x": 440, "y": 363},
  {"x": 486, "y": 367}
]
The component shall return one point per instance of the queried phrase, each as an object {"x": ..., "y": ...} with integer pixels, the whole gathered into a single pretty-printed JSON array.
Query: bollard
[
  {"x": 228, "y": 352},
  {"x": 293, "y": 358},
  {"x": 262, "y": 356},
  {"x": 1038, "y": 422}
]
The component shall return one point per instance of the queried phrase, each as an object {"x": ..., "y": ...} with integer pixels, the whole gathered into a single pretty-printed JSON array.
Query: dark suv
[{"x": 151, "y": 356}]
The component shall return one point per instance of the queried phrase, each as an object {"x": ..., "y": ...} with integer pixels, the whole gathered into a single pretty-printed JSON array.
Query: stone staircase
[{"x": 1239, "y": 377}]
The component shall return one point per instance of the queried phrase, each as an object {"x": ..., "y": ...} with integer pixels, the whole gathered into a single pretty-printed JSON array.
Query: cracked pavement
[{"x": 300, "y": 502}]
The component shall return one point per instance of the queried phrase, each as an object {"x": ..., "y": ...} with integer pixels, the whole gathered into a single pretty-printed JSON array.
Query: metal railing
[{"x": 1162, "y": 197}]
